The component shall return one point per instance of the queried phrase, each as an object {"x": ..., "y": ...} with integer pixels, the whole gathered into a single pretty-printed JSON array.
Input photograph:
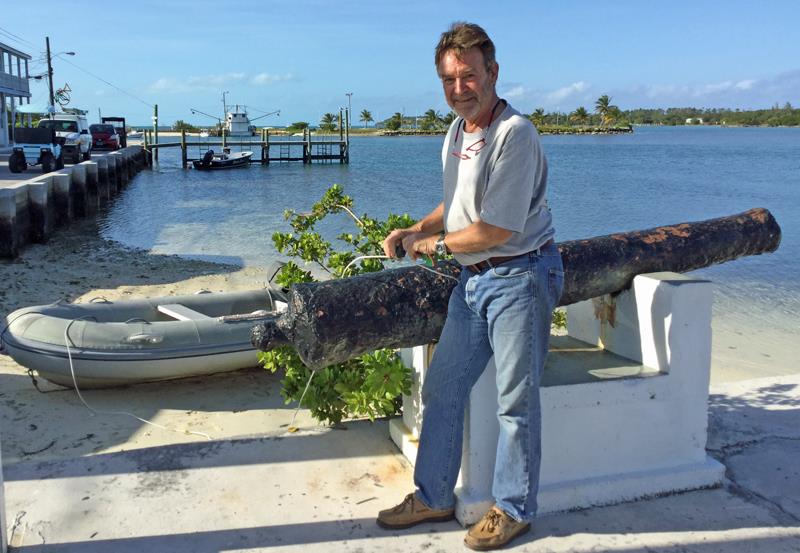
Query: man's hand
[
  {"x": 395, "y": 239},
  {"x": 418, "y": 244}
]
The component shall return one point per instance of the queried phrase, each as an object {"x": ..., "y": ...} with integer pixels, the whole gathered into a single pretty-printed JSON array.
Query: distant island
[{"x": 605, "y": 119}]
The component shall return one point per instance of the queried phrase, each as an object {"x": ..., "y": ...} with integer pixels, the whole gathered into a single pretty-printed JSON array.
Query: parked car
[
  {"x": 36, "y": 147},
  {"x": 104, "y": 136},
  {"x": 74, "y": 129},
  {"x": 119, "y": 125}
]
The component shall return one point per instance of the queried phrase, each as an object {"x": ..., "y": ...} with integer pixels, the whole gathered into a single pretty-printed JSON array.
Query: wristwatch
[{"x": 441, "y": 247}]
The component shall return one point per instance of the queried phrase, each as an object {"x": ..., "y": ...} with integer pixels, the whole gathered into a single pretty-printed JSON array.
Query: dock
[{"x": 271, "y": 149}]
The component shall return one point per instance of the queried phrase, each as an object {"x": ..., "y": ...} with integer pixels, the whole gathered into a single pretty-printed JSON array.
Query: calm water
[{"x": 598, "y": 185}]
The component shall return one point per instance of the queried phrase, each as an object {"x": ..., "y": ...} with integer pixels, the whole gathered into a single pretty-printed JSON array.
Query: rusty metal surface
[
  {"x": 330, "y": 322},
  {"x": 607, "y": 264}
]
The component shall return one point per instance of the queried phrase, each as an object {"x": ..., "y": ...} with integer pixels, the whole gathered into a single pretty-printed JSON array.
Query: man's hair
[{"x": 461, "y": 37}]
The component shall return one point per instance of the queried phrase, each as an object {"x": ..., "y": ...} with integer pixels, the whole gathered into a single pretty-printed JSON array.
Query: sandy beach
[{"x": 78, "y": 265}]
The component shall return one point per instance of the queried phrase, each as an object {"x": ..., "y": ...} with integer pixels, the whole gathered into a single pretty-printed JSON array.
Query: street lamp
[
  {"x": 50, "y": 74},
  {"x": 349, "y": 111}
]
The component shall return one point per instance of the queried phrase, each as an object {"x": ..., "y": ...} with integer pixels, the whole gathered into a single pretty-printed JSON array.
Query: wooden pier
[{"x": 272, "y": 149}]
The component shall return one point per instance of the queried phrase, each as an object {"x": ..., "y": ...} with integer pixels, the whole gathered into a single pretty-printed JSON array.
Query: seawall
[{"x": 31, "y": 210}]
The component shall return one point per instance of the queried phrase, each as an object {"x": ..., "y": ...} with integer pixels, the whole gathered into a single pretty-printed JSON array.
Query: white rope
[
  {"x": 420, "y": 265},
  {"x": 99, "y": 412},
  {"x": 292, "y": 427}
]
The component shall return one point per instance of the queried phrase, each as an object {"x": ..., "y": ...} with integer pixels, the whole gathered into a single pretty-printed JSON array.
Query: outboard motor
[{"x": 209, "y": 155}]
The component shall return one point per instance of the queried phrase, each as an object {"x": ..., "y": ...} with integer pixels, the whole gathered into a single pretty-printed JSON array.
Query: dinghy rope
[{"x": 103, "y": 412}]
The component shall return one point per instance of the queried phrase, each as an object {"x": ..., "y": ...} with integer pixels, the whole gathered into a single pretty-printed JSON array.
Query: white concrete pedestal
[
  {"x": 3, "y": 528},
  {"x": 624, "y": 403}
]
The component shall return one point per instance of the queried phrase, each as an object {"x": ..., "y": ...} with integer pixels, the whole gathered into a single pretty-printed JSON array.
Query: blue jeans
[{"x": 505, "y": 311}]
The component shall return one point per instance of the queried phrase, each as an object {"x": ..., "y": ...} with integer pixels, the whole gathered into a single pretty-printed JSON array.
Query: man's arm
[{"x": 476, "y": 237}]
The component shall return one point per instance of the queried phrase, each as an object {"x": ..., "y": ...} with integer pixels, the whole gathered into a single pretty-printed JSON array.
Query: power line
[
  {"x": 16, "y": 38},
  {"x": 105, "y": 81}
]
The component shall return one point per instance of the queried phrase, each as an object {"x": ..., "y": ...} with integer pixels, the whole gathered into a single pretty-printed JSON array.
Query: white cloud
[
  {"x": 712, "y": 88},
  {"x": 220, "y": 79},
  {"x": 194, "y": 83},
  {"x": 514, "y": 92},
  {"x": 268, "y": 78},
  {"x": 745, "y": 93},
  {"x": 566, "y": 92}
]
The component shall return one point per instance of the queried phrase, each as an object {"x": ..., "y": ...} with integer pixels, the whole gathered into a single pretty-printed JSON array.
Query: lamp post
[
  {"x": 50, "y": 75},
  {"x": 349, "y": 111}
]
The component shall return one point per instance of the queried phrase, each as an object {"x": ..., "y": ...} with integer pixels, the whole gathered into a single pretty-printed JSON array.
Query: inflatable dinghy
[{"x": 125, "y": 342}]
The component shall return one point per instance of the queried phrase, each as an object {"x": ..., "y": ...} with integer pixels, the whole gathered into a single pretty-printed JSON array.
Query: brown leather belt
[{"x": 494, "y": 261}]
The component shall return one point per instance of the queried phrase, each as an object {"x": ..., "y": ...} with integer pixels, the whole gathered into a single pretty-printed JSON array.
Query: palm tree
[
  {"x": 579, "y": 116},
  {"x": 538, "y": 117},
  {"x": 604, "y": 108},
  {"x": 395, "y": 121},
  {"x": 449, "y": 118},
  {"x": 431, "y": 119},
  {"x": 328, "y": 122},
  {"x": 614, "y": 115},
  {"x": 366, "y": 117}
]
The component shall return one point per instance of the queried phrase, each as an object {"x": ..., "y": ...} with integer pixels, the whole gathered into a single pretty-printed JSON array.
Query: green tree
[
  {"x": 395, "y": 122},
  {"x": 579, "y": 116},
  {"x": 449, "y": 118},
  {"x": 297, "y": 126},
  {"x": 181, "y": 125},
  {"x": 538, "y": 117},
  {"x": 328, "y": 122},
  {"x": 366, "y": 117},
  {"x": 431, "y": 120},
  {"x": 605, "y": 110}
]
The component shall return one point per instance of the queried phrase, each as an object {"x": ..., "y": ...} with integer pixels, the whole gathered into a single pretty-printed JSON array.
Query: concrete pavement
[{"x": 89, "y": 483}]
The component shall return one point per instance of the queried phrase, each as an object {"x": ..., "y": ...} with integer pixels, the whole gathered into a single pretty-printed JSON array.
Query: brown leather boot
[
  {"x": 495, "y": 530},
  {"x": 410, "y": 512}
]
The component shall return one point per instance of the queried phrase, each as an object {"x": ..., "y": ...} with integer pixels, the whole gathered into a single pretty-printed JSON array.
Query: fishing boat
[
  {"x": 237, "y": 123},
  {"x": 225, "y": 160},
  {"x": 104, "y": 343}
]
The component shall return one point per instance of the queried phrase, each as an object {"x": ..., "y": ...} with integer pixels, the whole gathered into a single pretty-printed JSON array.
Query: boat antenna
[
  {"x": 276, "y": 112},
  {"x": 196, "y": 111}
]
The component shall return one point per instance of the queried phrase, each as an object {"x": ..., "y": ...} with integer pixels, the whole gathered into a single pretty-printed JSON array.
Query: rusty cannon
[{"x": 332, "y": 321}]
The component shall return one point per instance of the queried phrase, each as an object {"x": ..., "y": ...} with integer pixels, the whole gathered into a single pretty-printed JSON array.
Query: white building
[{"x": 14, "y": 89}]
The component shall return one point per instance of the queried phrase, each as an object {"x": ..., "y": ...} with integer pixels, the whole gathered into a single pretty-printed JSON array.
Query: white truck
[{"x": 74, "y": 129}]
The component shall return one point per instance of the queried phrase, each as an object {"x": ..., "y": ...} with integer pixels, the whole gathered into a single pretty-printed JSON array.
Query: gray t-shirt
[{"x": 499, "y": 177}]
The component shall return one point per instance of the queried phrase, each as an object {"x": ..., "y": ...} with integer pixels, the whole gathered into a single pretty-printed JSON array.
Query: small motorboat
[
  {"x": 104, "y": 343},
  {"x": 225, "y": 160}
]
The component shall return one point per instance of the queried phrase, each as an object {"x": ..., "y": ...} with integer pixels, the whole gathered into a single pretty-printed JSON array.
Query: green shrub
[{"x": 372, "y": 384}]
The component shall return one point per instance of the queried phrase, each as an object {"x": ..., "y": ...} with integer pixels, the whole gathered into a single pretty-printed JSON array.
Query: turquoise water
[{"x": 598, "y": 185}]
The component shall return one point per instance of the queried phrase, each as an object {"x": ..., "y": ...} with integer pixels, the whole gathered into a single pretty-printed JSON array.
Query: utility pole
[{"x": 50, "y": 78}]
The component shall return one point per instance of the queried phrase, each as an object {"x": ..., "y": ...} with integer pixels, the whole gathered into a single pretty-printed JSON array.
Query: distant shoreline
[{"x": 543, "y": 130}]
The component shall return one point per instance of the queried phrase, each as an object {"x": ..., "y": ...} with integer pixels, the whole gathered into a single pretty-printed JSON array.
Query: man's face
[{"x": 468, "y": 84}]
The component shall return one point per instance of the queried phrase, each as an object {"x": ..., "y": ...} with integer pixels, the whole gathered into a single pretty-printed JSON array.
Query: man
[{"x": 494, "y": 219}]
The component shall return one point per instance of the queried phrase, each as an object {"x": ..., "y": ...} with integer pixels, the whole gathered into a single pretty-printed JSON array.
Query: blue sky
[{"x": 302, "y": 56}]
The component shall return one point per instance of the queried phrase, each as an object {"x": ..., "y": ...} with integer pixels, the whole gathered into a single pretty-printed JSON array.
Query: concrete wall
[{"x": 32, "y": 210}]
